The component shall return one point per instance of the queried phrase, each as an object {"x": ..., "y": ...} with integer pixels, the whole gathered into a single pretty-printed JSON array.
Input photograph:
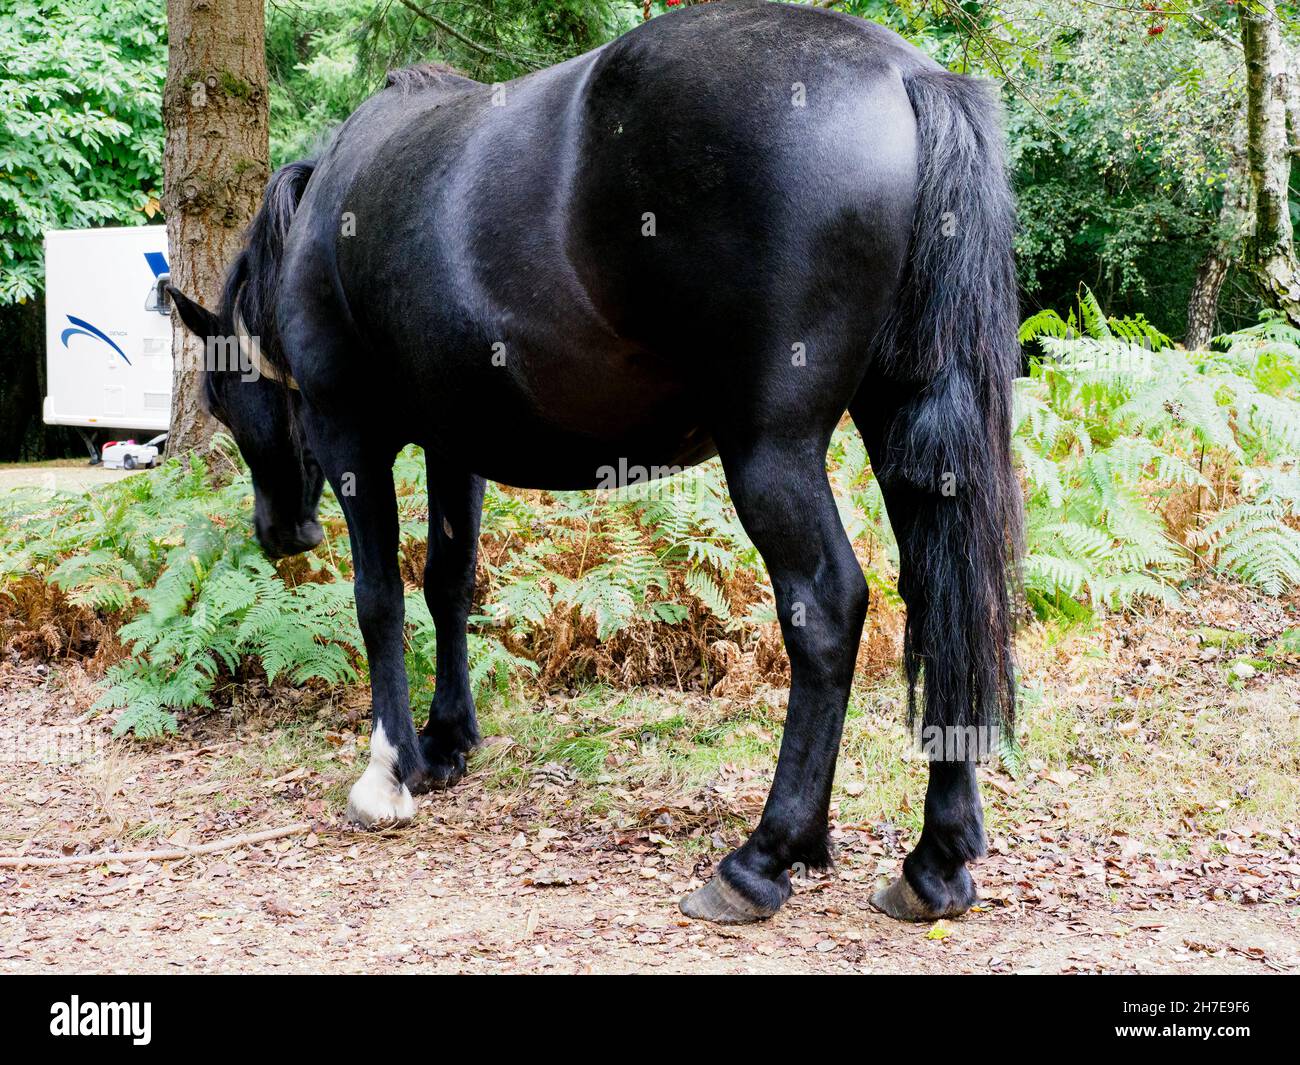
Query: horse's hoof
[
  {"x": 372, "y": 804},
  {"x": 442, "y": 769},
  {"x": 719, "y": 902},
  {"x": 440, "y": 775},
  {"x": 899, "y": 900}
]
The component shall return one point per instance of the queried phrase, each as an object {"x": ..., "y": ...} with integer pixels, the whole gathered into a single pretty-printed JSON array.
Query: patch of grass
[
  {"x": 1182, "y": 753},
  {"x": 1144, "y": 767},
  {"x": 284, "y": 749},
  {"x": 148, "y": 830}
]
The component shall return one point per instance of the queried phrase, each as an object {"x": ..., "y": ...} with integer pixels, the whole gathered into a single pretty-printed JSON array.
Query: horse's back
[{"x": 593, "y": 256}]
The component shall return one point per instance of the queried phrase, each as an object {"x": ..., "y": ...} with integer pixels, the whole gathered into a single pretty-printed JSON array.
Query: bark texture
[
  {"x": 215, "y": 167},
  {"x": 1203, "y": 303},
  {"x": 1271, "y": 250},
  {"x": 1231, "y": 230}
]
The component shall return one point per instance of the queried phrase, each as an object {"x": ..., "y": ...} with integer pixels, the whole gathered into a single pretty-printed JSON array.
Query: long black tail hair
[{"x": 951, "y": 345}]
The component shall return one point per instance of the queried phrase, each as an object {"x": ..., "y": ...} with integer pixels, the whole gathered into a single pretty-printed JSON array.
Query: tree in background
[
  {"x": 80, "y": 125},
  {"x": 1226, "y": 239},
  {"x": 1270, "y": 252},
  {"x": 80, "y": 145},
  {"x": 215, "y": 167},
  {"x": 326, "y": 56},
  {"x": 1126, "y": 131}
]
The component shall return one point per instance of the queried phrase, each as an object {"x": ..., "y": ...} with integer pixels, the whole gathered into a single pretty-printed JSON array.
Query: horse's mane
[
  {"x": 253, "y": 278},
  {"x": 254, "y": 275},
  {"x": 424, "y": 75}
]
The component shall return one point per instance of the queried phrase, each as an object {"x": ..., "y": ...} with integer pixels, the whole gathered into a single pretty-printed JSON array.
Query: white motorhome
[{"x": 108, "y": 333}]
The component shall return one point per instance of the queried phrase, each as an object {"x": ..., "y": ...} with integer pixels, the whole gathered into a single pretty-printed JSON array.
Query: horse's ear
[{"x": 198, "y": 320}]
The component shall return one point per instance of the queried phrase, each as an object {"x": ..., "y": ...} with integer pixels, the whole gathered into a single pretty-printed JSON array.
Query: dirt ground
[
  {"x": 482, "y": 883},
  {"x": 64, "y": 475}
]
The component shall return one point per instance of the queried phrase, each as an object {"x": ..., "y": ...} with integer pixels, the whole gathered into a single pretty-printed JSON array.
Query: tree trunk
[
  {"x": 1203, "y": 303},
  {"x": 1230, "y": 231},
  {"x": 1293, "y": 99},
  {"x": 215, "y": 167},
  {"x": 1270, "y": 252}
]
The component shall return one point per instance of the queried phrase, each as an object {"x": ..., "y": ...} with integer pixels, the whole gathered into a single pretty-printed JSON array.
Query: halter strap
[{"x": 253, "y": 351}]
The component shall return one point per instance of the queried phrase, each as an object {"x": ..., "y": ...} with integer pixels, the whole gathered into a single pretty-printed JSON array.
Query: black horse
[{"x": 716, "y": 234}]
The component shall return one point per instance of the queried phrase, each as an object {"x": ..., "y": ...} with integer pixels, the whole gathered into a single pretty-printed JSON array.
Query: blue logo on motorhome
[
  {"x": 157, "y": 262},
  {"x": 83, "y": 328},
  {"x": 80, "y": 327}
]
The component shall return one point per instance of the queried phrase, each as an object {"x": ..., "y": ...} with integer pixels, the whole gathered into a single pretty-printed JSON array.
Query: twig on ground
[{"x": 215, "y": 847}]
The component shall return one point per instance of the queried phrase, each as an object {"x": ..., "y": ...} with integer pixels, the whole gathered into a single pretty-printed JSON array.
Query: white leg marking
[{"x": 378, "y": 798}]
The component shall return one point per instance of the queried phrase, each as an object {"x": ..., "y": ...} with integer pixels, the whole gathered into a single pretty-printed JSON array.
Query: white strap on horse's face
[{"x": 251, "y": 350}]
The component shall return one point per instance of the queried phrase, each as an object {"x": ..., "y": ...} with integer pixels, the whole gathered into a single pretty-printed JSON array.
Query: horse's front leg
[
  {"x": 785, "y": 504},
  {"x": 363, "y": 482},
  {"x": 455, "y": 508}
]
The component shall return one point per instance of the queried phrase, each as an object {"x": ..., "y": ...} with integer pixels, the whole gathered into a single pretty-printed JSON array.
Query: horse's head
[{"x": 261, "y": 414}]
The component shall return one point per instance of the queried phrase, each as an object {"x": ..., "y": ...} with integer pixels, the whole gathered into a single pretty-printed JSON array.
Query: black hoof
[
  {"x": 722, "y": 902},
  {"x": 951, "y": 898},
  {"x": 442, "y": 768}
]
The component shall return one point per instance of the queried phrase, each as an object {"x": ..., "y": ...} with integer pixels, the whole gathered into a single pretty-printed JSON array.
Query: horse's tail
[
  {"x": 951, "y": 345},
  {"x": 254, "y": 276}
]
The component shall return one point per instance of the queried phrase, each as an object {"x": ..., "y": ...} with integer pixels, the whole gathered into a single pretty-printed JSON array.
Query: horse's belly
[
  {"x": 590, "y": 415},
  {"x": 570, "y": 464},
  {"x": 539, "y": 455}
]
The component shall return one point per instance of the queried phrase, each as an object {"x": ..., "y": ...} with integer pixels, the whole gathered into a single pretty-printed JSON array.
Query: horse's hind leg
[
  {"x": 785, "y": 504},
  {"x": 455, "y": 507},
  {"x": 935, "y": 881}
]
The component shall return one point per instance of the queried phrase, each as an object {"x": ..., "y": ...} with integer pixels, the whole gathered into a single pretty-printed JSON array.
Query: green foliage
[
  {"x": 326, "y": 56},
  {"x": 492, "y": 666},
  {"x": 1120, "y": 142},
  {"x": 1113, "y": 422},
  {"x": 1257, "y": 539},
  {"x": 218, "y": 602},
  {"x": 1122, "y": 121},
  {"x": 80, "y": 124},
  {"x": 607, "y": 556},
  {"x": 172, "y": 551}
]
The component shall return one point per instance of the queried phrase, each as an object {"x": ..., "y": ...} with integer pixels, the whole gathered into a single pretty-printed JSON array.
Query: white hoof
[
  {"x": 373, "y": 804},
  {"x": 378, "y": 799}
]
